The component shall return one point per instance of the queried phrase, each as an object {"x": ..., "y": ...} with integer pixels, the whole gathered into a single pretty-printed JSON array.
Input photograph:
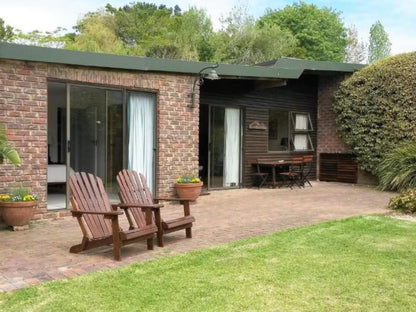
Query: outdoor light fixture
[{"x": 212, "y": 75}]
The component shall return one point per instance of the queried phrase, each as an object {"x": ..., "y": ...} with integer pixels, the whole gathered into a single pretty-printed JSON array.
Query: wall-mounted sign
[{"x": 257, "y": 125}]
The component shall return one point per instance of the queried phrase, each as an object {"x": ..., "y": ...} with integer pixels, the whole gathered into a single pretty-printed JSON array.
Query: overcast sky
[{"x": 397, "y": 16}]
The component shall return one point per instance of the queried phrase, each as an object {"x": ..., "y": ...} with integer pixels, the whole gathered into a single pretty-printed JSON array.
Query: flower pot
[
  {"x": 188, "y": 190},
  {"x": 18, "y": 213}
]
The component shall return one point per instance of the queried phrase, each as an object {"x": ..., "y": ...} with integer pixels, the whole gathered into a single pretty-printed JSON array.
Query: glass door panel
[
  {"x": 114, "y": 137},
  {"x": 225, "y": 147},
  {"x": 141, "y": 128},
  {"x": 88, "y": 130}
]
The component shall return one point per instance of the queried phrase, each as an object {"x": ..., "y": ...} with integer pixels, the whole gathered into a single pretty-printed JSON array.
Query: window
[{"x": 289, "y": 131}]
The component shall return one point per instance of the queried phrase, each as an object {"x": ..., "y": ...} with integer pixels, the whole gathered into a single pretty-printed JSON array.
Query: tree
[
  {"x": 55, "y": 39},
  {"x": 380, "y": 45},
  {"x": 376, "y": 109},
  {"x": 241, "y": 41},
  {"x": 355, "y": 51},
  {"x": 321, "y": 33},
  {"x": 97, "y": 33},
  {"x": 193, "y": 34},
  {"x": 6, "y": 31}
]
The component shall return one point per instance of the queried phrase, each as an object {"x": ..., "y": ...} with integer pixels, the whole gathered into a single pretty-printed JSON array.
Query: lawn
[{"x": 358, "y": 264}]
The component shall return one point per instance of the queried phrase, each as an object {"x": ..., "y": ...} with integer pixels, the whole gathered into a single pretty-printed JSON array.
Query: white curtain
[
  {"x": 301, "y": 122},
  {"x": 232, "y": 147},
  {"x": 141, "y": 119},
  {"x": 300, "y": 142}
]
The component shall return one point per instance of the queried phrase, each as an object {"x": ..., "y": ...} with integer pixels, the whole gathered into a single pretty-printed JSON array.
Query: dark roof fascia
[
  {"x": 314, "y": 66},
  {"x": 79, "y": 58}
]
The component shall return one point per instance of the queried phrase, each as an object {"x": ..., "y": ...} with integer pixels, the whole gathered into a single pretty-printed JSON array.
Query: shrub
[
  {"x": 405, "y": 202},
  {"x": 397, "y": 171},
  {"x": 376, "y": 109}
]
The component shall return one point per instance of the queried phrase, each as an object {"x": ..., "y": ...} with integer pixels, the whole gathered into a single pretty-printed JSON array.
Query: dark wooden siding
[
  {"x": 256, "y": 101},
  {"x": 338, "y": 168}
]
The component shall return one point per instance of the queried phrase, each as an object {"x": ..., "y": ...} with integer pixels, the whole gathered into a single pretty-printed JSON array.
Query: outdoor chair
[
  {"x": 260, "y": 177},
  {"x": 134, "y": 190},
  {"x": 294, "y": 175},
  {"x": 99, "y": 220},
  {"x": 307, "y": 169}
]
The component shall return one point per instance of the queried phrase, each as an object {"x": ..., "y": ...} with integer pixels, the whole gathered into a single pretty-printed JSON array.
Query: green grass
[{"x": 357, "y": 264}]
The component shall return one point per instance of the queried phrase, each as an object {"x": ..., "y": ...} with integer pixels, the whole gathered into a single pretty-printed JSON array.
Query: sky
[{"x": 397, "y": 16}]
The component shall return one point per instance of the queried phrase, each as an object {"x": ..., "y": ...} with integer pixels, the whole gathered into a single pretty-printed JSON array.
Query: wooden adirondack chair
[
  {"x": 134, "y": 191},
  {"x": 98, "y": 219}
]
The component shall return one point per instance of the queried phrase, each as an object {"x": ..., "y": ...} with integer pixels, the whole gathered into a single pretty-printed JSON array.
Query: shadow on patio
[{"x": 41, "y": 253}]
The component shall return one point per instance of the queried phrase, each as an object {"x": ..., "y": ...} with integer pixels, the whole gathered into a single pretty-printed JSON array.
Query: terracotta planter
[
  {"x": 17, "y": 213},
  {"x": 188, "y": 190}
]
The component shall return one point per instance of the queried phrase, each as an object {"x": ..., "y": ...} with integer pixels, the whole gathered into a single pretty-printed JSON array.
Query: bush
[
  {"x": 405, "y": 202},
  {"x": 376, "y": 109},
  {"x": 397, "y": 171}
]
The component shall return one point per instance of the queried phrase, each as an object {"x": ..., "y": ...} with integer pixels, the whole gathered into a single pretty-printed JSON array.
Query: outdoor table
[{"x": 275, "y": 164}]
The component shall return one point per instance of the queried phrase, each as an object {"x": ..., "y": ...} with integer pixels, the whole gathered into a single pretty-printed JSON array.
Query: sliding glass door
[
  {"x": 225, "y": 147},
  {"x": 99, "y": 131}
]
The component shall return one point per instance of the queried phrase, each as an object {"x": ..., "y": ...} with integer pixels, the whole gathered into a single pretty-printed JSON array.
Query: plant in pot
[
  {"x": 21, "y": 198},
  {"x": 188, "y": 186},
  {"x": 18, "y": 206}
]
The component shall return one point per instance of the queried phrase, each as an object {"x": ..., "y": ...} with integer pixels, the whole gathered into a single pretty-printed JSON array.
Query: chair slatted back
[
  {"x": 89, "y": 195},
  {"x": 307, "y": 158},
  {"x": 134, "y": 189}
]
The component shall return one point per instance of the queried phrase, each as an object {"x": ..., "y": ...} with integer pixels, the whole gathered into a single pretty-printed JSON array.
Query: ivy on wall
[{"x": 376, "y": 109}]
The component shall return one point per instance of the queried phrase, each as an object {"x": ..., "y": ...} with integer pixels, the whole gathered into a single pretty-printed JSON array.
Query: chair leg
[
  {"x": 116, "y": 239},
  {"x": 150, "y": 243},
  {"x": 188, "y": 232},
  {"x": 80, "y": 247}
]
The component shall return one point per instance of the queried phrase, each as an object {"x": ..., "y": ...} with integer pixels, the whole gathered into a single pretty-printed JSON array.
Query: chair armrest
[
  {"x": 174, "y": 199},
  {"x": 76, "y": 213},
  {"x": 137, "y": 205}
]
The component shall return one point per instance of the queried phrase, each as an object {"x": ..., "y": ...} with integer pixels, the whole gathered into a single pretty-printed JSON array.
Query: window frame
[{"x": 292, "y": 131}]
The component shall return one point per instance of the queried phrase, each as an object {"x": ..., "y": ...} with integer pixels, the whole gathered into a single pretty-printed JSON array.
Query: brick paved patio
[{"x": 41, "y": 253}]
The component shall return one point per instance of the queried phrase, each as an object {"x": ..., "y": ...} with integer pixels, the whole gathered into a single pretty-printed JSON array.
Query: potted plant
[
  {"x": 18, "y": 206},
  {"x": 188, "y": 186},
  {"x": 15, "y": 198}
]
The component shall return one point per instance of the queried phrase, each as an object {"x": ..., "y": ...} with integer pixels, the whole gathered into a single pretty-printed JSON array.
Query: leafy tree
[
  {"x": 376, "y": 109},
  {"x": 355, "y": 51},
  {"x": 143, "y": 26},
  {"x": 97, "y": 34},
  {"x": 193, "y": 34},
  {"x": 55, "y": 39},
  {"x": 241, "y": 41},
  {"x": 380, "y": 46},
  {"x": 321, "y": 33},
  {"x": 6, "y": 31}
]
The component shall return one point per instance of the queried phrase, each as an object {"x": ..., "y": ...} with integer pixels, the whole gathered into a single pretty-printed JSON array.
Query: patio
[{"x": 41, "y": 253}]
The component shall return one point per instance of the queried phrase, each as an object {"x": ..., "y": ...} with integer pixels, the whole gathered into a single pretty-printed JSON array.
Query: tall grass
[{"x": 397, "y": 171}]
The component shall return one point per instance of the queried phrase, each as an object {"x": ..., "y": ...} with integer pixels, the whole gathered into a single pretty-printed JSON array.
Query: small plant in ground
[
  {"x": 397, "y": 171},
  {"x": 405, "y": 202}
]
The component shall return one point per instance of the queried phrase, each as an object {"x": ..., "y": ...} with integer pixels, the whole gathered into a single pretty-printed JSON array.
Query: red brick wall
[
  {"x": 23, "y": 111},
  {"x": 328, "y": 140}
]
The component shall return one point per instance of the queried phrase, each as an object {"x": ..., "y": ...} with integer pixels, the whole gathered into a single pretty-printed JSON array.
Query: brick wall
[
  {"x": 23, "y": 111},
  {"x": 328, "y": 139}
]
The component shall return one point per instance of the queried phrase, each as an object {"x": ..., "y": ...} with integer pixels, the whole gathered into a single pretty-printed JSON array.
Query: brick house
[{"x": 68, "y": 111}]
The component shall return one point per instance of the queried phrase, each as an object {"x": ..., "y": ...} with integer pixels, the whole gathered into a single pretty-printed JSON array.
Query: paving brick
[{"x": 41, "y": 253}]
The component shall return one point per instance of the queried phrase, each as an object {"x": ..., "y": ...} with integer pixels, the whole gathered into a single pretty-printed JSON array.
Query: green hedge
[{"x": 376, "y": 109}]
